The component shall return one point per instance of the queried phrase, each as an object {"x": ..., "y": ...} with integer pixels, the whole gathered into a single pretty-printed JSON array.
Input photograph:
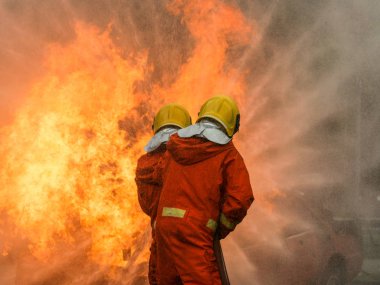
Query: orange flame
[
  {"x": 217, "y": 29},
  {"x": 68, "y": 158}
]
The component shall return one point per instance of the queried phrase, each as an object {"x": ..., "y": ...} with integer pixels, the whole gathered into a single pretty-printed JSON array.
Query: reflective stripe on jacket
[{"x": 203, "y": 177}]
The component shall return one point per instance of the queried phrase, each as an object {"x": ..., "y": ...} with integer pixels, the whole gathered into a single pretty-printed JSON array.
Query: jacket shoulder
[
  {"x": 149, "y": 159},
  {"x": 232, "y": 153}
]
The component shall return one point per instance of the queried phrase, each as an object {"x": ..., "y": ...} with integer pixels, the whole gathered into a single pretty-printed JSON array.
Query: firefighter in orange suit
[
  {"x": 168, "y": 120},
  {"x": 206, "y": 192}
]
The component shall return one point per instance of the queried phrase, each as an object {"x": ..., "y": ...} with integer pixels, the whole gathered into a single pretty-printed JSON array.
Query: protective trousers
[
  {"x": 152, "y": 274},
  {"x": 186, "y": 254}
]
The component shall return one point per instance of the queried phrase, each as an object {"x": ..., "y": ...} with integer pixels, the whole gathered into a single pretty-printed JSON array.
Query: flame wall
[{"x": 80, "y": 82}]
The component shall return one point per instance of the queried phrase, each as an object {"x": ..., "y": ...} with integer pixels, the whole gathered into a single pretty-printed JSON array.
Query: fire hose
[{"x": 220, "y": 261}]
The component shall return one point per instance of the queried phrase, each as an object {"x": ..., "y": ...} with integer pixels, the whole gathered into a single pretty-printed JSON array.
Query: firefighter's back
[{"x": 190, "y": 204}]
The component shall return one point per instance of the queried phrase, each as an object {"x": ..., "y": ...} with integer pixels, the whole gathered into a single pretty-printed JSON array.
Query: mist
[
  {"x": 313, "y": 118},
  {"x": 310, "y": 112}
]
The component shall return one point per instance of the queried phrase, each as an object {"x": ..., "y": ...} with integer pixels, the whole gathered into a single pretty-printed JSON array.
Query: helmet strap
[{"x": 237, "y": 124}]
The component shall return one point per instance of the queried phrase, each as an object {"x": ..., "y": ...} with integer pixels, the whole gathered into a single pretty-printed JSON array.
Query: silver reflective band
[
  {"x": 226, "y": 222},
  {"x": 173, "y": 212}
]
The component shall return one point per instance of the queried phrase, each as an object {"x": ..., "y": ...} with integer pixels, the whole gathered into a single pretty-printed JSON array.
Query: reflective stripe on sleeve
[
  {"x": 211, "y": 224},
  {"x": 226, "y": 222},
  {"x": 173, "y": 212}
]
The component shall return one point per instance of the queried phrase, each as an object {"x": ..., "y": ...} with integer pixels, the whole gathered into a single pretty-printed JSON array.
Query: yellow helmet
[
  {"x": 224, "y": 110},
  {"x": 171, "y": 115}
]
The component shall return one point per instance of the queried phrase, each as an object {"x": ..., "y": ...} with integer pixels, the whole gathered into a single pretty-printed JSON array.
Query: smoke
[
  {"x": 28, "y": 27},
  {"x": 313, "y": 91},
  {"x": 313, "y": 126},
  {"x": 310, "y": 122}
]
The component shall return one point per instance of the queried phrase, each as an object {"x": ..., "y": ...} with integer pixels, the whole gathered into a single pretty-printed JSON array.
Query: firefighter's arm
[
  {"x": 237, "y": 196},
  {"x": 157, "y": 176},
  {"x": 145, "y": 170},
  {"x": 145, "y": 182}
]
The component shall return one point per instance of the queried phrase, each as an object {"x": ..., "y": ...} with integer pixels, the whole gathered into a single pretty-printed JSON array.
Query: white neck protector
[
  {"x": 159, "y": 138},
  {"x": 206, "y": 129}
]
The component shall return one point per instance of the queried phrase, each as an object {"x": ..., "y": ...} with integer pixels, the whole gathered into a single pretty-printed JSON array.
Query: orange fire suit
[
  {"x": 206, "y": 188},
  {"x": 148, "y": 194}
]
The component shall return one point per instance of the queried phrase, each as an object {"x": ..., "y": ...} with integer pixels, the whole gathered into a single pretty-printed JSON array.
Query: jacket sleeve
[
  {"x": 158, "y": 175},
  {"x": 146, "y": 183},
  {"x": 237, "y": 195}
]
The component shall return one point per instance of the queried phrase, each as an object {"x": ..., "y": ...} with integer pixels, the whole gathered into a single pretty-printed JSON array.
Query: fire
[
  {"x": 217, "y": 28},
  {"x": 68, "y": 158},
  {"x": 68, "y": 163}
]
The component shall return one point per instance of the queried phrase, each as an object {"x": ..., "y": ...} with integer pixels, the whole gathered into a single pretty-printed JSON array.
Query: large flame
[
  {"x": 67, "y": 162},
  {"x": 217, "y": 29},
  {"x": 69, "y": 156}
]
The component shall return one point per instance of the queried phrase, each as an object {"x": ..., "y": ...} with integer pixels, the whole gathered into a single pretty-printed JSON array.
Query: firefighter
[
  {"x": 167, "y": 121},
  {"x": 206, "y": 192}
]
